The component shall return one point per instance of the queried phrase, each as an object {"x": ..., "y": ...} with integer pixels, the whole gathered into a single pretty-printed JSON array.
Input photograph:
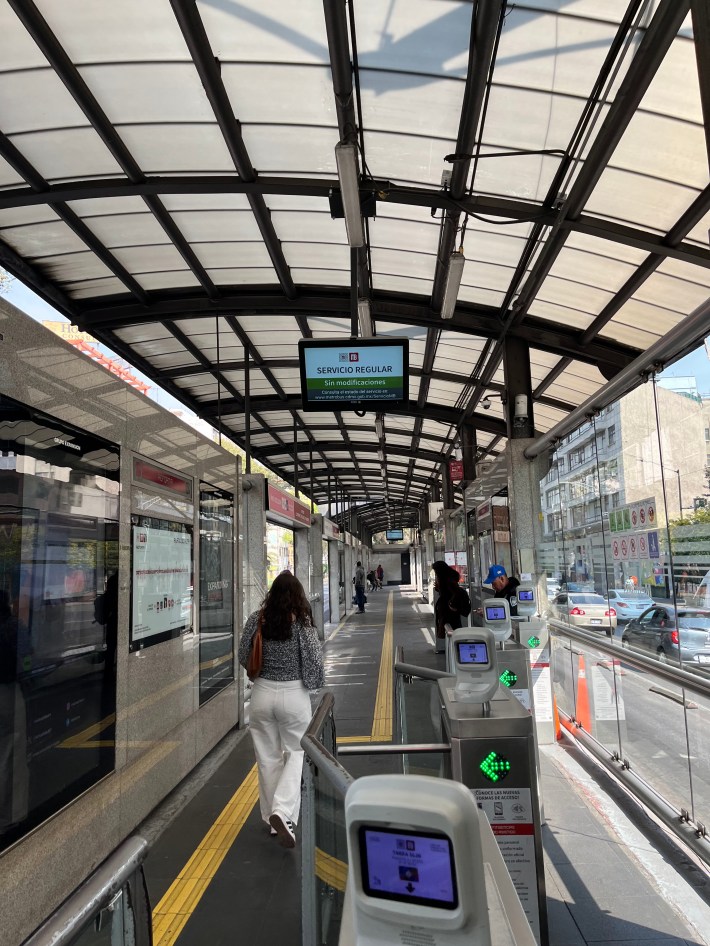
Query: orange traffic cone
[
  {"x": 556, "y": 719},
  {"x": 582, "y": 713}
]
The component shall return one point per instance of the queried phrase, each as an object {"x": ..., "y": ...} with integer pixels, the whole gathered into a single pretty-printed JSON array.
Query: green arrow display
[
  {"x": 534, "y": 641},
  {"x": 495, "y": 767},
  {"x": 508, "y": 678}
]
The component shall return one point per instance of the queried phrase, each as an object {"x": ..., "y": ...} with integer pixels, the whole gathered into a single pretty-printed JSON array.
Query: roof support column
[
  {"x": 516, "y": 365},
  {"x": 295, "y": 456},
  {"x": 247, "y": 412},
  {"x": 447, "y": 486},
  {"x": 469, "y": 446}
]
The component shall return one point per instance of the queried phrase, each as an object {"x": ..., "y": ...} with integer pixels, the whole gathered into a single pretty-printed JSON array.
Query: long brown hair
[{"x": 285, "y": 603}]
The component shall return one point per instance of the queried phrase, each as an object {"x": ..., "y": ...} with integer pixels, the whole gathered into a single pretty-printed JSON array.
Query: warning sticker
[{"x": 509, "y": 811}]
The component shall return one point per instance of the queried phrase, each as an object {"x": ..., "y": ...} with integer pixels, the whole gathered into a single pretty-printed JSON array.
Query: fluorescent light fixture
[
  {"x": 364, "y": 318},
  {"x": 453, "y": 281},
  {"x": 349, "y": 177},
  {"x": 379, "y": 428}
]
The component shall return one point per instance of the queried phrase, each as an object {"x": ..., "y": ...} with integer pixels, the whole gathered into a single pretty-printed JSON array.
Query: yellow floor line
[
  {"x": 347, "y": 740},
  {"x": 330, "y": 870},
  {"x": 178, "y": 904},
  {"x": 382, "y": 722}
]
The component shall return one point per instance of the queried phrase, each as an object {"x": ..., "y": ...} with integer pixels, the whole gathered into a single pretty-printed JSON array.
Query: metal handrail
[
  {"x": 92, "y": 896},
  {"x": 394, "y": 748},
  {"x": 667, "y": 671},
  {"x": 338, "y": 777},
  {"x": 423, "y": 673}
]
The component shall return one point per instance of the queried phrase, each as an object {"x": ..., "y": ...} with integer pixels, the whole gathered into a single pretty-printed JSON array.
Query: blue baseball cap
[{"x": 495, "y": 571}]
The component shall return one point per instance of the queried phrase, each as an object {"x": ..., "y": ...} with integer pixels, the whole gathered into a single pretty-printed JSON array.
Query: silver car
[
  {"x": 629, "y": 604},
  {"x": 584, "y": 609}
]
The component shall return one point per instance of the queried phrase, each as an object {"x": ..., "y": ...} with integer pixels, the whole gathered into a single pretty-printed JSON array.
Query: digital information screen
[
  {"x": 495, "y": 613},
  {"x": 393, "y": 535},
  {"x": 352, "y": 372},
  {"x": 412, "y": 867},
  {"x": 526, "y": 596},
  {"x": 472, "y": 652}
]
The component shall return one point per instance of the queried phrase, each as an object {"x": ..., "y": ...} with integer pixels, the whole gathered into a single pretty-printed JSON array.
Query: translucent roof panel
[{"x": 188, "y": 208}]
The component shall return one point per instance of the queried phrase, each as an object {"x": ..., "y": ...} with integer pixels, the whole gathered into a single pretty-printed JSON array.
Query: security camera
[{"x": 486, "y": 403}]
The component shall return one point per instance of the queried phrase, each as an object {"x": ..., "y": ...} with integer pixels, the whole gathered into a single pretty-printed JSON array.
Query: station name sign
[
  {"x": 284, "y": 506},
  {"x": 152, "y": 475}
]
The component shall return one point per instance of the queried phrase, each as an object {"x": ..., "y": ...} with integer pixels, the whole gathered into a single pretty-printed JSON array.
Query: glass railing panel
[
  {"x": 419, "y": 710},
  {"x": 331, "y": 860},
  {"x": 697, "y": 714}
]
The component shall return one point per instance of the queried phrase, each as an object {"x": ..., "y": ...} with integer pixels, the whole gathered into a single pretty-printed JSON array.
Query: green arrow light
[
  {"x": 508, "y": 678},
  {"x": 494, "y": 767},
  {"x": 534, "y": 641}
]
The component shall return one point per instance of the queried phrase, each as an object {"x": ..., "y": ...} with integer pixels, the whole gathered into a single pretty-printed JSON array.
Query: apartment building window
[
  {"x": 615, "y": 501},
  {"x": 707, "y": 435},
  {"x": 612, "y": 434}
]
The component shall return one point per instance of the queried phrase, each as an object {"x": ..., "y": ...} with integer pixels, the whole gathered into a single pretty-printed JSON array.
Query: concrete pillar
[
  {"x": 302, "y": 556},
  {"x": 315, "y": 534},
  {"x": 469, "y": 446},
  {"x": 428, "y": 559},
  {"x": 334, "y": 578},
  {"x": 254, "y": 541}
]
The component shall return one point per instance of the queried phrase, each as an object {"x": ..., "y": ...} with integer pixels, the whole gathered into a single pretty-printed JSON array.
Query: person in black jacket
[
  {"x": 503, "y": 586},
  {"x": 452, "y": 605}
]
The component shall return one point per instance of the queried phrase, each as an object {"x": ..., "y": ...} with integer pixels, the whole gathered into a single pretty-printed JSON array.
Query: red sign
[
  {"x": 456, "y": 470},
  {"x": 283, "y": 504},
  {"x": 147, "y": 473}
]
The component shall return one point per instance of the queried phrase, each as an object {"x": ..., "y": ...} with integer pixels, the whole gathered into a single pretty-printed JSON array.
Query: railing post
[{"x": 309, "y": 904}]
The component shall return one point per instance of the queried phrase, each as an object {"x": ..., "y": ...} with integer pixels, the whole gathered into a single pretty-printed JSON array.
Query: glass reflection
[
  {"x": 216, "y": 590},
  {"x": 58, "y": 614}
]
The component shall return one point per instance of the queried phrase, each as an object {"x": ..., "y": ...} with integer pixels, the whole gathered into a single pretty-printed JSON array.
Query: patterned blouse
[{"x": 298, "y": 658}]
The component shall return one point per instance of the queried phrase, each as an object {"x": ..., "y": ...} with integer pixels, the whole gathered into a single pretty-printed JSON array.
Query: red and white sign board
[
  {"x": 643, "y": 546},
  {"x": 634, "y": 515},
  {"x": 456, "y": 470},
  {"x": 330, "y": 530},
  {"x": 616, "y": 549},
  {"x": 624, "y": 548},
  {"x": 283, "y": 506},
  {"x": 150, "y": 474},
  {"x": 651, "y": 516},
  {"x": 633, "y": 547}
]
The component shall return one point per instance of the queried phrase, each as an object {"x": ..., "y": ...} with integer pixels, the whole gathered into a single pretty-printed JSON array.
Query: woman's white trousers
[{"x": 279, "y": 716}]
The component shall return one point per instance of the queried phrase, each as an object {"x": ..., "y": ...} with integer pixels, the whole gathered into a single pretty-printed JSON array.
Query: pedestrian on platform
[
  {"x": 359, "y": 582},
  {"x": 452, "y": 605},
  {"x": 380, "y": 575},
  {"x": 292, "y": 664}
]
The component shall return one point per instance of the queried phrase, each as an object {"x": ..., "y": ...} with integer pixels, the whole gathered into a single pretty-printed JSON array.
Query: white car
[
  {"x": 629, "y": 604},
  {"x": 584, "y": 609}
]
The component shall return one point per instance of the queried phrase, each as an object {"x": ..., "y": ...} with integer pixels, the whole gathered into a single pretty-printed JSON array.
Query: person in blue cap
[{"x": 503, "y": 586}]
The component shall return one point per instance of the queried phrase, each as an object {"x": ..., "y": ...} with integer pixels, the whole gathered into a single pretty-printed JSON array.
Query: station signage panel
[
  {"x": 456, "y": 470},
  {"x": 337, "y": 374},
  {"x": 330, "y": 530},
  {"x": 152, "y": 475},
  {"x": 283, "y": 506}
]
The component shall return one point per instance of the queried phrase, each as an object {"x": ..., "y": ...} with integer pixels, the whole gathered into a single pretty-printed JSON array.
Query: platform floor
[{"x": 216, "y": 877}]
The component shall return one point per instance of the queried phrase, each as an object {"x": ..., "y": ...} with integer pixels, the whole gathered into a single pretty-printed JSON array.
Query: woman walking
[
  {"x": 452, "y": 605},
  {"x": 292, "y": 664}
]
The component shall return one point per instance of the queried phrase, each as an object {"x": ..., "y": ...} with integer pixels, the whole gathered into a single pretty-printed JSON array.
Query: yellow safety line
[
  {"x": 346, "y": 740},
  {"x": 178, "y": 904},
  {"x": 330, "y": 870},
  {"x": 382, "y": 722},
  {"x": 339, "y": 627}
]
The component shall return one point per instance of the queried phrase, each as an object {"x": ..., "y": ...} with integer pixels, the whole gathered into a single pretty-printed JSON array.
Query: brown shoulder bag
[{"x": 256, "y": 652}]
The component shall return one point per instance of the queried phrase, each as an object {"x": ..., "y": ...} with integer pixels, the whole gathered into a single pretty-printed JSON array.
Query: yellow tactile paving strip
[
  {"x": 176, "y": 907},
  {"x": 382, "y": 722},
  {"x": 330, "y": 870}
]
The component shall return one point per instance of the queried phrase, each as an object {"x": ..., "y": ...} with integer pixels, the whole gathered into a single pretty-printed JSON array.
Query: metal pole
[
  {"x": 247, "y": 412},
  {"x": 295, "y": 456},
  {"x": 680, "y": 497},
  {"x": 310, "y": 470}
]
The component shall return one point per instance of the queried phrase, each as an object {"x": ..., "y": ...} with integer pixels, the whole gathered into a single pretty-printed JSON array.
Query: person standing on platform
[
  {"x": 292, "y": 664},
  {"x": 452, "y": 605},
  {"x": 359, "y": 582},
  {"x": 380, "y": 575},
  {"x": 503, "y": 586}
]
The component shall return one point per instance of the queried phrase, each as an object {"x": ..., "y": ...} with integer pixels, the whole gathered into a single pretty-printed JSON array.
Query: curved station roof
[{"x": 168, "y": 181}]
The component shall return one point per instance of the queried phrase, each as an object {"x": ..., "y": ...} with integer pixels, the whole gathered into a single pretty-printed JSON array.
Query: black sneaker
[{"x": 284, "y": 829}]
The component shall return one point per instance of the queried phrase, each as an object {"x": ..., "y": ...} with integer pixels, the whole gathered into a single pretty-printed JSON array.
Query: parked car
[
  {"x": 629, "y": 604},
  {"x": 553, "y": 588},
  {"x": 670, "y": 634},
  {"x": 584, "y": 609}
]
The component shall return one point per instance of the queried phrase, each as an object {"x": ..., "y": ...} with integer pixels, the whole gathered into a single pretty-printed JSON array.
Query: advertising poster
[
  {"x": 162, "y": 582},
  {"x": 654, "y": 548},
  {"x": 635, "y": 516},
  {"x": 616, "y": 549},
  {"x": 626, "y": 512},
  {"x": 633, "y": 547}
]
